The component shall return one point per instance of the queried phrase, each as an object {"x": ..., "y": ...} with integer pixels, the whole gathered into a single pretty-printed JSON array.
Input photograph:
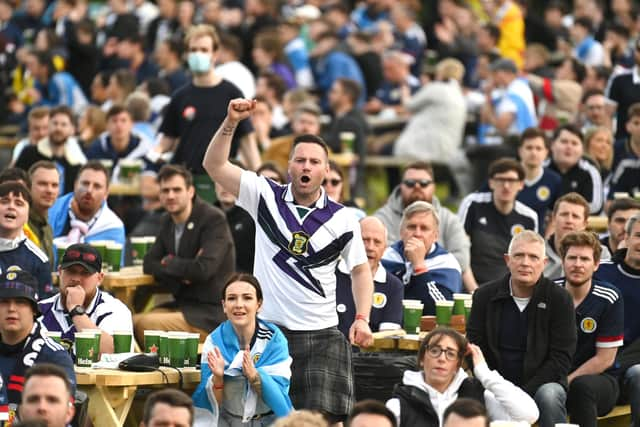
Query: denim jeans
[
  {"x": 632, "y": 384},
  {"x": 551, "y": 399}
]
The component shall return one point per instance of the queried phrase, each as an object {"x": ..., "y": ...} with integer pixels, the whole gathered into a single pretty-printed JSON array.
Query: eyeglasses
[
  {"x": 435, "y": 352},
  {"x": 334, "y": 182},
  {"x": 504, "y": 181},
  {"x": 424, "y": 183},
  {"x": 75, "y": 255}
]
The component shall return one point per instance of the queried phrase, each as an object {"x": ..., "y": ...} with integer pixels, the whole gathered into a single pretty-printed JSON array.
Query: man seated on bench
[{"x": 593, "y": 388}]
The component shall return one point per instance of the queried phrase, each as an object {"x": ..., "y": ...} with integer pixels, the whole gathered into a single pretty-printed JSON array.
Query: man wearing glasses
[
  {"x": 492, "y": 219},
  {"x": 80, "y": 304},
  {"x": 525, "y": 325},
  {"x": 418, "y": 184}
]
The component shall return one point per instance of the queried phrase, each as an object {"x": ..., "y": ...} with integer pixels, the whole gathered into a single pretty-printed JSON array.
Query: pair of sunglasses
[{"x": 424, "y": 183}]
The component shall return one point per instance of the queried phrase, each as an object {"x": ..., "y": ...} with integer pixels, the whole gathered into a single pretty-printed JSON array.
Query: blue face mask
[{"x": 199, "y": 62}]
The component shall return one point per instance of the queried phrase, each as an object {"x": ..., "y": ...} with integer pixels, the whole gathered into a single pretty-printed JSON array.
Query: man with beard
[
  {"x": 600, "y": 325},
  {"x": 83, "y": 216},
  {"x": 617, "y": 216},
  {"x": 418, "y": 185},
  {"x": 301, "y": 235},
  {"x": 570, "y": 213},
  {"x": 61, "y": 147},
  {"x": 192, "y": 256}
]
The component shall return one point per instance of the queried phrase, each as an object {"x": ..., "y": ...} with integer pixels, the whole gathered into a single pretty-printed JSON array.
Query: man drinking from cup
[
  {"x": 23, "y": 342},
  {"x": 80, "y": 305},
  {"x": 428, "y": 271}
]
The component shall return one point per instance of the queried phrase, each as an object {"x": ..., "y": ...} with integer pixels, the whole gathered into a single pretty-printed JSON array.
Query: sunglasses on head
[
  {"x": 334, "y": 182},
  {"x": 76, "y": 255},
  {"x": 424, "y": 183}
]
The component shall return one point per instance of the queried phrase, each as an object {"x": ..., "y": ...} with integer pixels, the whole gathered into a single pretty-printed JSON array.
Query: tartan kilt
[{"x": 321, "y": 371}]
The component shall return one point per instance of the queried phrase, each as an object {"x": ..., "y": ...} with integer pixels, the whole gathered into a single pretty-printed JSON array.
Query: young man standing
[
  {"x": 23, "y": 342},
  {"x": 541, "y": 185},
  {"x": 16, "y": 251},
  {"x": 491, "y": 219},
  {"x": 618, "y": 214},
  {"x": 45, "y": 187},
  {"x": 191, "y": 118},
  {"x": 599, "y": 323},
  {"x": 301, "y": 235}
]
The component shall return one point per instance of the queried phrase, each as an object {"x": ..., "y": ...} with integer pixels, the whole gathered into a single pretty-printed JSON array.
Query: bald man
[{"x": 386, "y": 312}]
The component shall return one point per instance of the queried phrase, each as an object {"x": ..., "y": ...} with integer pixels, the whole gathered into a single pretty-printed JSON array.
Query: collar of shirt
[
  {"x": 11, "y": 244},
  {"x": 320, "y": 203}
]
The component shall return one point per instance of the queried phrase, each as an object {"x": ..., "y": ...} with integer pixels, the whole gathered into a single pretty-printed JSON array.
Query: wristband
[
  {"x": 362, "y": 317},
  {"x": 218, "y": 387},
  {"x": 420, "y": 270}
]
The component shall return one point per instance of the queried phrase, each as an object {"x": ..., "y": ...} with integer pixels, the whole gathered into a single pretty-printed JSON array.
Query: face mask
[{"x": 199, "y": 62}]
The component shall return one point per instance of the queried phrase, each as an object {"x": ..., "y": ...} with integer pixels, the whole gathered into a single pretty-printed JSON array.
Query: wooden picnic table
[
  {"x": 122, "y": 189},
  {"x": 597, "y": 223},
  {"x": 123, "y": 284},
  {"x": 395, "y": 340},
  {"x": 111, "y": 391}
]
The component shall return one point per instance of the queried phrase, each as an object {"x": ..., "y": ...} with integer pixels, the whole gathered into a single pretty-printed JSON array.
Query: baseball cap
[
  {"x": 504, "y": 64},
  {"x": 82, "y": 254},
  {"x": 19, "y": 284}
]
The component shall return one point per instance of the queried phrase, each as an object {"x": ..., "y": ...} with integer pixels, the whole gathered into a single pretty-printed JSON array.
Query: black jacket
[
  {"x": 416, "y": 408},
  {"x": 551, "y": 340},
  {"x": 196, "y": 272}
]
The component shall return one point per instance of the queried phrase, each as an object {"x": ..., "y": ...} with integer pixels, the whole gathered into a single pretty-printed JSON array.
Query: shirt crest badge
[
  {"x": 588, "y": 325},
  {"x": 299, "y": 243}
]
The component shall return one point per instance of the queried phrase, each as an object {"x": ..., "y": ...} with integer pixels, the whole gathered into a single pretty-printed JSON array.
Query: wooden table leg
[{"x": 109, "y": 406}]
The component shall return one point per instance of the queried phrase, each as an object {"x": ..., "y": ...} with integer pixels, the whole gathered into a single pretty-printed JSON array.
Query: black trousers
[{"x": 591, "y": 396}]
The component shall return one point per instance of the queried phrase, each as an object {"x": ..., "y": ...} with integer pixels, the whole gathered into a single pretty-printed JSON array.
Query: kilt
[{"x": 321, "y": 371}]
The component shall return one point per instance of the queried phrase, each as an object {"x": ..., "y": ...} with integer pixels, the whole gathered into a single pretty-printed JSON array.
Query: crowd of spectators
[{"x": 232, "y": 109}]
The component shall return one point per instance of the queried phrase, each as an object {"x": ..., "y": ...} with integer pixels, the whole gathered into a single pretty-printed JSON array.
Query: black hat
[
  {"x": 19, "y": 284},
  {"x": 84, "y": 255}
]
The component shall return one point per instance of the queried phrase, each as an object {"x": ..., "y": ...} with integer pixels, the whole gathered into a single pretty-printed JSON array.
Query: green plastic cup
[
  {"x": 55, "y": 335},
  {"x": 122, "y": 341},
  {"x": 150, "y": 241},
  {"x": 412, "y": 314},
  {"x": 138, "y": 249},
  {"x": 444, "y": 310},
  {"x": 177, "y": 349},
  {"x": 347, "y": 139},
  {"x": 467, "y": 309},
  {"x": 97, "y": 333},
  {"x": 191, "y": 356},
  {"x": 458, "y": 302},
  {"x": 86, "y": 349},
  {"x": 163, "y": 353},
  {"x": 61, "y": 247},
  {"x": 152, "y": 341},
  {"x": 101, "y": 247},
  {"x": 114, "y": 255}
]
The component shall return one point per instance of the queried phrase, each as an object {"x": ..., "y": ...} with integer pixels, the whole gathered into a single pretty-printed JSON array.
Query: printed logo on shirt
[
  {"x": 483, "y": 221},
  {"x": 517, "y": 229},
  {"x": 543, "y": 193},
  {"x": 14, "y": 268},
  {"x": 256, "y": 357},
  {"x": 341, "y": 308},
  {"x": 299, "y": 243},
  {"x": 189, "y": 113},
  {"x": 588, "y": 325},
  {"x": 379, "y": 300},
  {"x": 574, "y": 184},
  {"x": 11, "y": 276}
]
